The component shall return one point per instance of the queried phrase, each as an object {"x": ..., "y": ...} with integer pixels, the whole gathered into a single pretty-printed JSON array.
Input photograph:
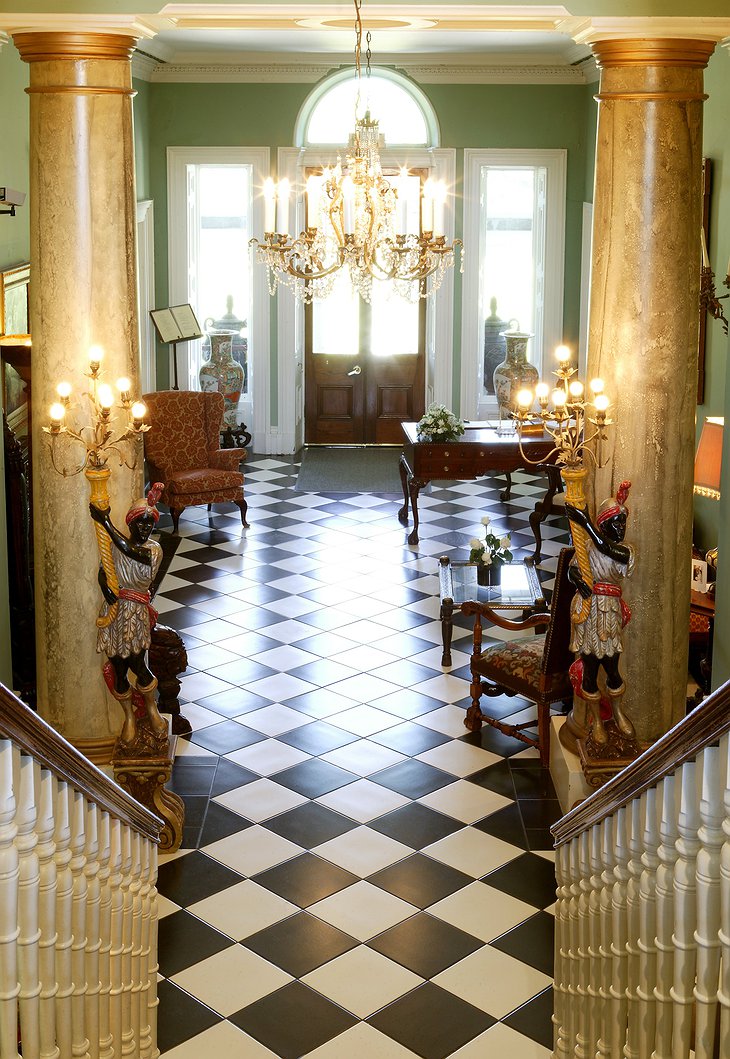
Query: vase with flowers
[
  {"x": 490, "y": 554},
  {"x": 439, "y": 424}
]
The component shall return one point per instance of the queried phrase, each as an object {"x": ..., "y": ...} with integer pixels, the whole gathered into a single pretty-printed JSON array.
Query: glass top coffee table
[{"x": 519, "y": 589}]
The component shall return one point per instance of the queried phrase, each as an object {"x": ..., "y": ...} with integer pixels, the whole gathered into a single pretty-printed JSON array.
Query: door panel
[
  {"x": 393, "y": 393},
  {"x": 333, "y": 400}
]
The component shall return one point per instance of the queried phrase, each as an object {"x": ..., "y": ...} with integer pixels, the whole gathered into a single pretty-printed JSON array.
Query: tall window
[{"x": 514, "y": 204}]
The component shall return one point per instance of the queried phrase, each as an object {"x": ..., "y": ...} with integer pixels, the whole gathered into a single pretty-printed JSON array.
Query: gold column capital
[
  {"x": 647, "y": 51},
  {"x": 52, "y": 46}
]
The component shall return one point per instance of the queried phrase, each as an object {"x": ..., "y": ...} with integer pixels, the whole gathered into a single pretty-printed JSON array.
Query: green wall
[
  {"x": 141, "y": 109},
  {"x": 529, "y": 116}
]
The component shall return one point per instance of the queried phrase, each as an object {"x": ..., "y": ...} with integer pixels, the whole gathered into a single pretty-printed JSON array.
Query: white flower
[
  {"x": 487, "y": 559},
  {"x": 486, "y": 520},
  {"x": 504, "y": 542}
]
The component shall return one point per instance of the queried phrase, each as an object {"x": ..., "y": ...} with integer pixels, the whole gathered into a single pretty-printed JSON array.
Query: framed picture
[
  {"x": 702, "y": 336},
  {"x": 14, "y": 307},
  {"x": 699, "y": 575}
]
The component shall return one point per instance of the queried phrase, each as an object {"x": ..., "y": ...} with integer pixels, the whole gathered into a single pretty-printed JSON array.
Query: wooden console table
[{"x": 479, "y": 451}]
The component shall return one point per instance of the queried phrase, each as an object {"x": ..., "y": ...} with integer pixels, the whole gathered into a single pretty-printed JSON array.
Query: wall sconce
[
  {"x": 709, "y": 300},
  {"x": 11, "y": 198}
]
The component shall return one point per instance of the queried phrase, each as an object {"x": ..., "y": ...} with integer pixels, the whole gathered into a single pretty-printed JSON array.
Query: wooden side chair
[{"x": 535, "y": 666}]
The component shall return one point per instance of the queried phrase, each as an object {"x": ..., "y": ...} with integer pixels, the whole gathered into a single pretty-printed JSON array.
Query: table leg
[
  {"x": 507, "y": 492},
  {"x": 544, "y": 507},
  {"x": 404, "y": 471},
  {"x": 447, "y": 629},
  {"x": 414, "y": 488}
]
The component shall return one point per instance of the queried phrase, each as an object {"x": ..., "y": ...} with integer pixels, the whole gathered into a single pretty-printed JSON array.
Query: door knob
[{"x": 357, "y": 370}]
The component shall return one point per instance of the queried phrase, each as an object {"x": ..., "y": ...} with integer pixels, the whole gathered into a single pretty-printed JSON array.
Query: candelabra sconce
[{"x": 709, "y": 301}]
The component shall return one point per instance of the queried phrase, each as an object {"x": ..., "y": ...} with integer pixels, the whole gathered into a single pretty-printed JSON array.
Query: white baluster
[
  {"x": 8, "y": 906},
  {"x": 152, "y": 1000},
  {"x": 106, "y": 1050},
  {"x": 135, "y": 972},
  {"x": 633, "y": 917},
  {"x": 145, "y": 1038},
  {"x": 603, "y": 1047},
  {"x": 594, "y": 950},
  {"x": 78, "y": 924},
  {"x": 93, "y": 939},
  {"x": 668, "y": 793},
  {"x": 647, "y": 922},
  {"x": 47, "y": 915},
  {"x": 582, "y": 1042},
  {"x": 117, "y": 938},
  {"x": 562, "y": 941},
  {"x": 724, "y": 990},
  {"x": 685, "y": 915},
  {"x": 619, "y": 977},
  {"x": 29, "y": 932},
  {"x": 573, "y": 946},
  {"x": 128, "y": 1042},
  {"x": 707, "y": 934},
  {"x": 64, "y": 937}
]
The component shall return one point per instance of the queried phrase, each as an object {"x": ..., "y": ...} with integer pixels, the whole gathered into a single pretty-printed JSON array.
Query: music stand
[{"x": 176, "y": 323}]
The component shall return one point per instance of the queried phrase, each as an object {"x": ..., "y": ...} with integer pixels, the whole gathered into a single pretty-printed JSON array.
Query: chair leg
[
  {"x": 210, "y": 507},
  {"x": 175, "y": 517},
  {"x": 543, "y": 732},
  {"x": 473, "y": 720},
  {"x": 243, "y": 506}
]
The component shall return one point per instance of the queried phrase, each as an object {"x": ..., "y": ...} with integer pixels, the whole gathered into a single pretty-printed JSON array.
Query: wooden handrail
[
  {"x": 36, "y": 737},
  {"x": 703, "y": 727}
]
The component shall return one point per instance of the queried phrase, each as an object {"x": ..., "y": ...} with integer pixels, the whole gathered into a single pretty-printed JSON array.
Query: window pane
[
  {"x": 400, "y": 117},
  {"x": 335, "y": 320},
  {"x": 394, "y": 323},
  {"x": 508, "y": 265},
  {"x": 223, "y": 265}
]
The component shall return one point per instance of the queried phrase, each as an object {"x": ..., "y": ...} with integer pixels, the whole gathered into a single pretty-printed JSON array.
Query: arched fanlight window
[{"x": 405, "y": 115}]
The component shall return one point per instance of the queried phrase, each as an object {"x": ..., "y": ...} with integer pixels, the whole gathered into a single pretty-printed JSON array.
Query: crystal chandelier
[{"x": 356, "y": 219}]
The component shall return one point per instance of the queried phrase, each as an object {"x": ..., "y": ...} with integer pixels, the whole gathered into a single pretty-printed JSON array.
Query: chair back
[
  {"x": 557, "y": 656},
  {"x": 184, "y": 430}
]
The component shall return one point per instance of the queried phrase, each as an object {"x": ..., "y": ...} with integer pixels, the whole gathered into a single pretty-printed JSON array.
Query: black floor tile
[
  {"x": 494, "y": 741},
  {"x": 244, "y": 670},
  {"x": 195, "y": 809},
  {"x": 318, "y": 737},
  {"x": 425, "y": 945},
  {"x": 314, "y": 778},
  {"x": 540, "y": 812},
  {"x": 193, "y": 877},
  {"x": 234, "y": 702},
  {"x": 431, "y": 1022},
  {"x": 407, "y": 702},
  {"x": 305, "y": 879},
  {"x": 191, "y": 779},
  {"x": 534, "y": 1018},
  {"x": 300, "y": 944},
  {"x": 533, "y": 782},
  {"x": 413, "y": 779},
  {"x": 539, "y": 838},
  {"x": 505, "y": 824},
  {"x": 229, "y": 775},
  {"x": 410, "y": 738},
  {"x": 416, "y": 825},
  {"x": 190, "y": 594},
  {"x": 184, "y": 940},
  {"x": 528, "y": 878},
  {"x": 293, "y": 1021},
  {"x": 420, "y": 880},
  {"x": 180, "y": 1016},
  {"x": 220, "y": 823},
  {"x": 226, "y": 737},
  {"x": 531, "y": 942},
  {"x": 497, "y": 778},
  {"x": 310, "y": 824}
]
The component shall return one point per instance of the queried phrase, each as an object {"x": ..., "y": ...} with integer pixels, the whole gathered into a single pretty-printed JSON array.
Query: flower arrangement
[
  {"x": 439, "y": 424},
  {"x": 492, "y": 550}
]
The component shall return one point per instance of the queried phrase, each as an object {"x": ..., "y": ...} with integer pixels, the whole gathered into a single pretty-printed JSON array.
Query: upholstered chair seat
[{"x": 182, "y": 449}]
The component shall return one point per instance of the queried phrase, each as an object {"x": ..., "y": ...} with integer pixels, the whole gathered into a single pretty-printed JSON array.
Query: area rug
[{"x": 365, "y": 470}]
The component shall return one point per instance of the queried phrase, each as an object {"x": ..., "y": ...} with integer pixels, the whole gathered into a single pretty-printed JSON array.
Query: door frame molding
[{"x": 291, "y": 161}]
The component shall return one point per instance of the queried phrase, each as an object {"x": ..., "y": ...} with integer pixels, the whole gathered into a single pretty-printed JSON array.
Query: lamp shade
[{"x": 708, "y": 459}]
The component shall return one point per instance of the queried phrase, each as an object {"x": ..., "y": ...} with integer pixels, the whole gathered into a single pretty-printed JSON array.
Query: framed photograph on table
[{"x": 699, "y": 575}]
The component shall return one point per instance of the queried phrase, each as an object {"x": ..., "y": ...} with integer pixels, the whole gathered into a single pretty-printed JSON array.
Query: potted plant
[
  {"x": 490, "y": 554},
  {"x": 439, "y": 424}
]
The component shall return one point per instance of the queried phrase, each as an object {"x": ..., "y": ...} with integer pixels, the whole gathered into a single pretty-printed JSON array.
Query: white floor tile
[
  {"x": 260, "y": 800},
  {"x": 231, "y": 979},
  {"x": 359, "y": 1042},
  {"x": 460, "y": 759},
  {"x": 224, "y": 1041},
  {"x": 362, "y": 981},
  {"x": 363, "y": 720},
  {"x": 280, "y": 686},
  {"x": 364, "y": 757},
  {"x": 472, "y": 851},
  {"x": 500, "y": 1040},
  {"x": 268, "y": 756},
  {"x": 363, "y": 800},
  {"x": 363, "y": 851},
  {"x": 482, "y": 911},
  {"x": 363, "y": 910},
  {"x": 465, "y": 801},
  {"x": 449, "y": 720},
  {"x": 252, "y": 850},
  {"x": 275, "y": 719},
  {"x": 241, "y": 910},
  {"x": 493, "y": 981}
]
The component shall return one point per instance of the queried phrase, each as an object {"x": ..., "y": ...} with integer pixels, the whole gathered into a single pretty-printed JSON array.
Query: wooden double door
[{"x": 364, "y": 367}]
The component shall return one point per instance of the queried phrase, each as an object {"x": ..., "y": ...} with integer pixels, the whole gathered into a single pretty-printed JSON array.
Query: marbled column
[
  {"x": 644, "y": 317},
  {"x": 83, "y": 292}
]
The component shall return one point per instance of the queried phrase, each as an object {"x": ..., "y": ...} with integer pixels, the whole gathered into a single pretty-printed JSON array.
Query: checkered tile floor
[{"x": 360, "y": 876}]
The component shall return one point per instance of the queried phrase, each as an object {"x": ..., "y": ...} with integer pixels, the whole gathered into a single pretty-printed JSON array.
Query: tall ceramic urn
[
  {"x": 222, "y": 373},
  {"x": 515, "y": 373}
]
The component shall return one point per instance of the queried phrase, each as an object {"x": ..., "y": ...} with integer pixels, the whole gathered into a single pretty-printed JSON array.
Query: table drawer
[{"x": 456, "y": 462}]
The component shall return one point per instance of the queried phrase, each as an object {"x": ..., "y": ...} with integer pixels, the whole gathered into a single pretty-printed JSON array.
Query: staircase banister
[
  {"x": 36, "y": 737},
  {"x": 703, "y": 727}
]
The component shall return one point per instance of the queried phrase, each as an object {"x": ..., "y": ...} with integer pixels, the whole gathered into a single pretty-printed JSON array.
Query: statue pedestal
[
  {"x": 601, "y": 761},
  {"x": 143, "y": 768},
  {"x": 565, "y": 770}
]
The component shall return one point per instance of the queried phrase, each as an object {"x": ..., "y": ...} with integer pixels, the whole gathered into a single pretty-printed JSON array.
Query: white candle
[
  {"x": 705, "y": 258},
  {"x": 269, "y": 205},
  {"x": 282, "y": 208},
  {"x": 348, "y": 205},
  {"x": 427, "y": 207},
  {"x": 439, "y": 201},
  {"x": 313, "y": 201}
]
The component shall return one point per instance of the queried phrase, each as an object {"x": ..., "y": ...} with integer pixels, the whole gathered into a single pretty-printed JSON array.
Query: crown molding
[
  {"x": 589, "y": 30},
  {"x": 143, "y": 65},
  {"x": 139, "y": 27}
]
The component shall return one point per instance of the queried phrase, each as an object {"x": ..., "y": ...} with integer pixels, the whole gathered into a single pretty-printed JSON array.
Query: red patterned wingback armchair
[{"x": 183, "y": 451}]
